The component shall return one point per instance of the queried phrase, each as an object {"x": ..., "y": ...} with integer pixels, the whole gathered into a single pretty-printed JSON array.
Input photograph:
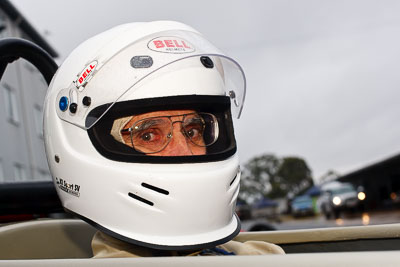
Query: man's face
[{"x": 166, "y": 133}]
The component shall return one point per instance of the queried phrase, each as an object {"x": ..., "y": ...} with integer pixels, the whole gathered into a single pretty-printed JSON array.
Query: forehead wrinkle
[
  {"x": 146, "y": 124},
  {"x": 157, "y": 114},
  {"x": 162, "y": 113}
]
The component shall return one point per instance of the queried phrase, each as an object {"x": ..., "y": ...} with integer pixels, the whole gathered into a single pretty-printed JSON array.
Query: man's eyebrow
[
  {"x": 196, "y": 119},
  {"x": 140, "y": 127},
  {"x": 146, "y": 124}
]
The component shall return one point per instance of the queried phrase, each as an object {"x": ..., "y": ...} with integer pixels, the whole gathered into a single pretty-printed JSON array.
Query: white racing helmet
[{"x": 163, "y": 202}]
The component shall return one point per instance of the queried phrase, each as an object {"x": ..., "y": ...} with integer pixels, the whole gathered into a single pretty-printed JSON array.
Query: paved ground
[{"x": 366, "y": 218}]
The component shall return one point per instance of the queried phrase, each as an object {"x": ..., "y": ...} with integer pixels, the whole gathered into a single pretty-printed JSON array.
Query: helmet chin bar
[
  {"x": 159, "y": 246},
  {"x": 173, "y": 218}
]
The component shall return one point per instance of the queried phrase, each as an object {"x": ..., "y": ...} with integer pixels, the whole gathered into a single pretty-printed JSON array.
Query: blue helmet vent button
[{"x": 63, "y": 104}]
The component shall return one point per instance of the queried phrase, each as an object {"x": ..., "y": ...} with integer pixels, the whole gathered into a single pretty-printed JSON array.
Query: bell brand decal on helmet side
[
  {"x": 85, "y": 76},
  {"x": 170, "y": 44},
  {"x": 72, "y": 189}
]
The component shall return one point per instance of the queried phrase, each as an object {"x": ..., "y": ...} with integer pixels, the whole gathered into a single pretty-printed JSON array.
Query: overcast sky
[{"x": 323, "y": 76}]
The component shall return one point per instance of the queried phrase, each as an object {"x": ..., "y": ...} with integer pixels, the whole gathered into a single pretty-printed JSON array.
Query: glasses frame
[{"x": 169, "y": 135}]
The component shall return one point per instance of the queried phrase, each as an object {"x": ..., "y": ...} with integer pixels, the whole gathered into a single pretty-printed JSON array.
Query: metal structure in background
[
  {"x": 380, "y": 181},
  {"x": 27, "y": 200},
  {"x": 12, "y": 49},
  {"x": 19, "y": 19}
]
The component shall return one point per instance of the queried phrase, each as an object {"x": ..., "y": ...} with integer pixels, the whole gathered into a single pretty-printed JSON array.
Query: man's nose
[{"x": 178, "y": 146}]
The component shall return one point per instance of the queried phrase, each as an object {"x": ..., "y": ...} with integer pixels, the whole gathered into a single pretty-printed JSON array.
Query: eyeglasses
[{"x": 152, "y": 135}]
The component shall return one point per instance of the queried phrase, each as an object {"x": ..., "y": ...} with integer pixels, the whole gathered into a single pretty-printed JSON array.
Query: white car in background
[{"x": 337, "y": 197}]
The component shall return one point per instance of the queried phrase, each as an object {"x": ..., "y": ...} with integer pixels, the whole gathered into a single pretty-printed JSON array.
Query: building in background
[
  {"x": 22, "y": 92},
  {"x": 380, "y": 182}
]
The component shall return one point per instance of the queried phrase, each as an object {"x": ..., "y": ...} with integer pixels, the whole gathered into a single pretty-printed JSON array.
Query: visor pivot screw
[
  {"x": 57, "y": 158},
  {"x": 232, "y": 95},
  {"x": 73, "y": 107},
  {"x": 63, "y": 104},
  {"x": 86, "y": 101},
  {"x": 207, "y": 62}
]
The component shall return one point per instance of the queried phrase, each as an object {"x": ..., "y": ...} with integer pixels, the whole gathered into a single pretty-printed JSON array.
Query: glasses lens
[
  {"x": 151, "y": 135},
  {"x": 200, "y": 128}
]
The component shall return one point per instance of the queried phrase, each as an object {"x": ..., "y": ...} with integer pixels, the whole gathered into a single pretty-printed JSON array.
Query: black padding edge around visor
[{"x": 108, "y": 147}]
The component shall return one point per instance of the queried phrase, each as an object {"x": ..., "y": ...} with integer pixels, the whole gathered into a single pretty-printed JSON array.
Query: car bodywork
[{"x": 66, "y": 242}]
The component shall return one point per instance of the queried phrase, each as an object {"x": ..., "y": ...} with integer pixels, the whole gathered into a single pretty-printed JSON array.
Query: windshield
[{"x": 343, "y": 190}]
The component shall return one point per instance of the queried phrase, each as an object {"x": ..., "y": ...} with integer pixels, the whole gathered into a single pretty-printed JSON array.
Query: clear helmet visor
[{"x": 158, "y": 65}]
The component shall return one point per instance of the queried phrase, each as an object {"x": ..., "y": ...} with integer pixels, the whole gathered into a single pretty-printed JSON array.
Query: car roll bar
[{"x": 12, "y": 49}]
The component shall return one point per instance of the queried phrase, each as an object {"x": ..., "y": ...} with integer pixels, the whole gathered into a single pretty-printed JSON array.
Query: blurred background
[{"x": 318, "y": 136}]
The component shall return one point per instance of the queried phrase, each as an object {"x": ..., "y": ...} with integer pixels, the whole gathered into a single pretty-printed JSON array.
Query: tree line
[{"x": 273, "y": 177}]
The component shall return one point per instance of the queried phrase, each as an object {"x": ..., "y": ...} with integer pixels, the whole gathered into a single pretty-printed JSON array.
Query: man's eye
[
  {"x": 194, "y": 132},
  {"x": 147, "y": 137}
]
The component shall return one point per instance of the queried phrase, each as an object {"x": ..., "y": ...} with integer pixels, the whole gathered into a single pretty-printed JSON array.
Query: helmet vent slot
[
  {"x": 233, "y": 180},
  {"x": 141, "y": 199},
  {"x": 155, "y": 188}
]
